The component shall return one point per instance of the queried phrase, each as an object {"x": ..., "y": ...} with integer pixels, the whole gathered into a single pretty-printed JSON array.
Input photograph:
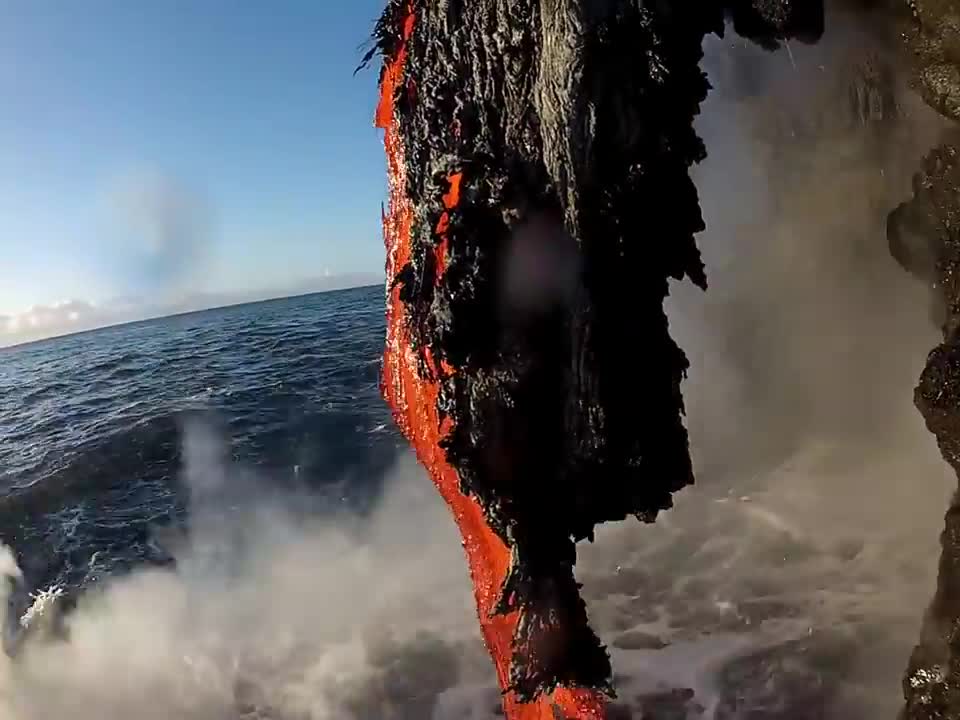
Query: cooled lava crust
[
  {"x": 924, "y": 235},
  {"x": 540, "y": 200},
  {"x": 925, "y": 239}
]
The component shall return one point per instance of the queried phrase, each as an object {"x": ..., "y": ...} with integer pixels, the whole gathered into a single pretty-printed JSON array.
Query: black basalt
[
  {"x": 932, "y": 683},
  {"x": 924, "y": 236},
  {"x": 570, "y": 124}
]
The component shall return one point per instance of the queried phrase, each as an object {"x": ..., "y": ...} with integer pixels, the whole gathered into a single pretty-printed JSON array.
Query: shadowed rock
[
  {"x": 546, "y": 154},
  {"x": 924, "y": 236}
]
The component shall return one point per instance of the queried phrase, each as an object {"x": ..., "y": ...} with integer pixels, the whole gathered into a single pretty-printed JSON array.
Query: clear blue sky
[{"x": 155, "y": 148}]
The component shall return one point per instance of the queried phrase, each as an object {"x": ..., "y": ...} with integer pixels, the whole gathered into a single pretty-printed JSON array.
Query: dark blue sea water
[{"x": 91, "y": 425}]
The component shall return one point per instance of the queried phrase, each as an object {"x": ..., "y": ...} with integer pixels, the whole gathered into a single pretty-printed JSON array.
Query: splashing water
[{"x": 42, "y": 605}]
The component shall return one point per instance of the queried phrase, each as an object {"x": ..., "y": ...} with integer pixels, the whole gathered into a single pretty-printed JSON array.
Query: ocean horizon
[{"x": 180, "y": 313}]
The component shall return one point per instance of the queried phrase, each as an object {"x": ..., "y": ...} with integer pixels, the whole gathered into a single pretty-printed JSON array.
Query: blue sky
[{"x": 152, "y": 149}]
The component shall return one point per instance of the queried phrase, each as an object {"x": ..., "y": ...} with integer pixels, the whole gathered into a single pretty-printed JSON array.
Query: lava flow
[
  {"x": 540, "y": 199},
  {"x": 414, "y": 401}
]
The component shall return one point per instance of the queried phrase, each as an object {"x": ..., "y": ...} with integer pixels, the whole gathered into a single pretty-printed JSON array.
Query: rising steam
[{"x": 267, "y": 612}]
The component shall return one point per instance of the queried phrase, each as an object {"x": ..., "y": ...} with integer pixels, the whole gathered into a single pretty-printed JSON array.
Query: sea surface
[
  {"x": 92, "y": 425},
  {"x": 211, "y": 517}
]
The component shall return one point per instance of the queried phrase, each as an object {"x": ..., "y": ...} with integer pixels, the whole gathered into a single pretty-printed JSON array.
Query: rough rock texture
[
  {"x": 540, "y": 201},
  {"x": 924, "y": 235},
  {"x": 926, "y": 240},
  {"x": 934, "y": 41}
]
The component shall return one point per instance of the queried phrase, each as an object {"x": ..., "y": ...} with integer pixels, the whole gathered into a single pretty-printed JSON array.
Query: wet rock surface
[
  {"x": 933, "y": 39},
  {"x": 924, "y": 238}
]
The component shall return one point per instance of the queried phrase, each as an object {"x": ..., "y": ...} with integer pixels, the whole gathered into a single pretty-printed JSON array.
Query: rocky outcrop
[
  {"x": 924, "y": 236},
  {"x": 540, "y": 202}
]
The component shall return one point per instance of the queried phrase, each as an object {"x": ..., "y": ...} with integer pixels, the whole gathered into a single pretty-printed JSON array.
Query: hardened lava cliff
[
  {"x": 540, "y": 202},
  {"x": 924, "y": 237}
]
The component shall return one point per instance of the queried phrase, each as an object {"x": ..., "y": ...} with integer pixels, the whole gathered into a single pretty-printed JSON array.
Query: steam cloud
[
  {"x": 814, "y": 524},
  {"x": 268, "y": 612}
]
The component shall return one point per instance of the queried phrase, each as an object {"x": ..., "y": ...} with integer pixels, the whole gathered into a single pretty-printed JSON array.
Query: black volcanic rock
[
  {"x": 547, "y": 148},
  {"x": 924, "y": 236}
]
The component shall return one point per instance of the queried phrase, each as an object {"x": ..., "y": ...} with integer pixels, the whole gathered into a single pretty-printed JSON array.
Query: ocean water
[
  {"x": 91, "y": 425},
  {"x": 211, "y": 516}
]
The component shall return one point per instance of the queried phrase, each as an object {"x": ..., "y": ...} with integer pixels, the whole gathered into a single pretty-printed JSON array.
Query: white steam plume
[{"x": 269, "y": 612}]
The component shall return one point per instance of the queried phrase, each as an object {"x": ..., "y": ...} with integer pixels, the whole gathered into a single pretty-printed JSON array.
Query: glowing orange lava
[{"x": 414, "y": 403}]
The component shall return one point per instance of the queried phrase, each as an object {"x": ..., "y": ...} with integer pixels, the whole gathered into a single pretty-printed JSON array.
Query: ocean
[
  {"x": 211, "y": 516},
  {"x": 91, "y": 424}
]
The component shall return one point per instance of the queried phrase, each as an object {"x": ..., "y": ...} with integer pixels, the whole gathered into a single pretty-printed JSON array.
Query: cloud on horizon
[
  {"x": 77, "y": 315},
  {"x": 44, "y": 318},
  {"x": 163, "y": 227}
]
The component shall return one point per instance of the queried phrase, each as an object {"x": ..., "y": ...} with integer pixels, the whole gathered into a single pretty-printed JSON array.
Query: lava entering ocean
[{"x": 540, "y": 199}]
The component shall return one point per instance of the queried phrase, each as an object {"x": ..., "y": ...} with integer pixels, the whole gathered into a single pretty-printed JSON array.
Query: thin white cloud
[
  {"x": 53, "y": 319},
  {"x": 71, "y": 316}
]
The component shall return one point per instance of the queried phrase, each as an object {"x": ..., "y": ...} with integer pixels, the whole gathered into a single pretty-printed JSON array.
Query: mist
[
  {"x": 270, "y": 612},
  {"x": 792, "y": 575},
  {"x": 790, "y": 581}
]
